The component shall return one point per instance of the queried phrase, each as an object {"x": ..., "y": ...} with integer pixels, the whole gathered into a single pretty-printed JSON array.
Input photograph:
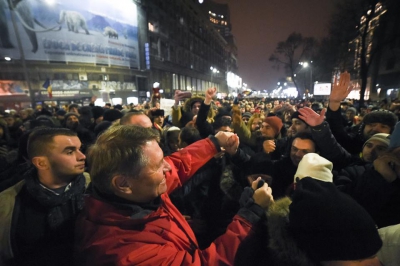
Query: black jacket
[{"x": 369, "y": 188}]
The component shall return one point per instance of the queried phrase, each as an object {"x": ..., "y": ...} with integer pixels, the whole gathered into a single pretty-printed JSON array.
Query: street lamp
[
  {"x": 305, "y": 65},
  {"x": 214, "y": 71}
]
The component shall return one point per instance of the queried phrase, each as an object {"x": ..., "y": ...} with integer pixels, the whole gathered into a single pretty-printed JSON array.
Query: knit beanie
[
  {"x": 61, "y": 112},
  {"x": 352, "y": 109},
  {"x": 314, "y": 166},
  {"x": 246, "y": 114},
  {"x": 395, "y": 137},
  {"x": 329, "y": 225},
  {"x": 97, "y": 112},
  {"x": 174, "y": 129},
  {"x": 381, "y": 116},
  {"x": 101, "y": 127},
  {"x": 381, "y": 137},
  {"x": 275, "y": 122},
  {"x": 157, "y": 112},
  {"x": 67, "y": 115},
  {"x": 112, "y": 115},
  {"x": 296, "y": 115}
]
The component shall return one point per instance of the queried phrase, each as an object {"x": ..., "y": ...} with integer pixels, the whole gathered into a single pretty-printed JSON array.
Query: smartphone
[{"x": 264, "y": 177}]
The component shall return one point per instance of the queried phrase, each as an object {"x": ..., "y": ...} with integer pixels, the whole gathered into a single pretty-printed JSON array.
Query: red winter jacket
[{"x": 108, "y": 235}]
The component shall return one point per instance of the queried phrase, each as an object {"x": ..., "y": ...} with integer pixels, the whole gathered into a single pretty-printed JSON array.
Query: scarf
[{"x": 55, "y": 203}]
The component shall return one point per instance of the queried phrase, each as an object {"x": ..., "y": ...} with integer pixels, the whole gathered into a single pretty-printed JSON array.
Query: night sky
[{"x": 258, "y": 25}]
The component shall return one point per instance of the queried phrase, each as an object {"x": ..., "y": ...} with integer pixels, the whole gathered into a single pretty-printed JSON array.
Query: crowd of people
[{"x": 217, "y": 182}]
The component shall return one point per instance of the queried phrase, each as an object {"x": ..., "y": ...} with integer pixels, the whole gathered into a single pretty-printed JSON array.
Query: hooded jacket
[{"x": 183, "y": 115}]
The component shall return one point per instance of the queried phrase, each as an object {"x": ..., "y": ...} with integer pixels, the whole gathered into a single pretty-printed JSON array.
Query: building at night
[{"x": 114, "y": 53}]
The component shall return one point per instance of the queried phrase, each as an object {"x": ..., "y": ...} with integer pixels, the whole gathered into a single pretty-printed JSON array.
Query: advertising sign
[
  {"x": 12, "y": 87},
  {"x": 100, "y": 32}
]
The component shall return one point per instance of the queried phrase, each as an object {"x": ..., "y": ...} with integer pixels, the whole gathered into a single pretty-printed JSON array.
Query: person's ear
[
  {"x": 120, "y": 184},
  {"x": 41, "y": 162}
]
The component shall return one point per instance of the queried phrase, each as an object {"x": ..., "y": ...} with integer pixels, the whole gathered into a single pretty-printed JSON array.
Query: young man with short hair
[{"x": 37, "y": 215}]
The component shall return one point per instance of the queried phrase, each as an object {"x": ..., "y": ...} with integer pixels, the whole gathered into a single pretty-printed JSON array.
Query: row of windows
[{"x": 67, "y": 76}]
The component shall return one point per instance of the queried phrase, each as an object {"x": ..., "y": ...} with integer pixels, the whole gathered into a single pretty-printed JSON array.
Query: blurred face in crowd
[
  {"x": 224, "y": 129},
  {"x": 10, "y": 121},
  {"x": 245, "y": 119},
  {"x": 299, "y": 126},
  {"x": 252, "y": 109},
  {"x": 72, "y": 122},
  {"x": 267, "y": 130},
  {"x": 350, "y": 115},
  {"x": 372, "y": 149},
  {"x": 396, "y": 152},
  {"x": 286, "y": 117},
  {"x": 256, "y": 124},
  {"x": 74, "y": 110},
  {"x": 173, "y": 140},
  {"x": 140, "y": 120},
  {"x": 372, "y": 129},
  {"x": 151, "y": 182},
  {"x": 196, "y": 108},
  {"x": 23, "y": 114},
  {"x": 159, "y": 120},
  {"x": 157, "y": 105},
  {"x": 269, "y": 105},
  {"x": 99, "y": 120},
  {"x": 300, "y": 147}
]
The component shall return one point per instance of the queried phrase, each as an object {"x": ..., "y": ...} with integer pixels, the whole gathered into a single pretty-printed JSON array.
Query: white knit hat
[{"x": 314, "y": 166}]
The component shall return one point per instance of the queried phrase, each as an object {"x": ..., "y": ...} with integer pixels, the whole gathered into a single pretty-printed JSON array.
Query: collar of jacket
[{"x": 138, "y": 210}]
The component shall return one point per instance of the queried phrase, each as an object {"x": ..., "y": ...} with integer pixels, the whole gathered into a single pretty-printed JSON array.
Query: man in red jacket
[{"x": 129, "y": 218}]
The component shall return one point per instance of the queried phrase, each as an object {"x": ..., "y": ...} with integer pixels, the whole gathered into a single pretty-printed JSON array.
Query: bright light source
[
  {"x": 7, "y": 58},
  {"x": 99, "y": 102},
  {"x": 279, "y": 83},
  {"x": 201, "y": 1},
  {"x": 305, "y": 64},
  {"x": 156, "y": 85},
  {"x": 284, "y": 84},
  {"x": 116, "y": 101},
  {"x": 161, "y": 91},
  {"x": 133, "y": 100}
]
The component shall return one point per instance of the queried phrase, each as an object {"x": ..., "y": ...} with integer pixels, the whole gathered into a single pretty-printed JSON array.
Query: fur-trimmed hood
[
  {"x": 283, "y": 246},
  {"x": 187, "y": 106}
]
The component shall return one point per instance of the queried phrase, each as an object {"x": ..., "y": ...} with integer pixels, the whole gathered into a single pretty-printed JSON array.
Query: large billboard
[
  {"x": 84, "y": 31},
  {"x": 12, "y": 87}
]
